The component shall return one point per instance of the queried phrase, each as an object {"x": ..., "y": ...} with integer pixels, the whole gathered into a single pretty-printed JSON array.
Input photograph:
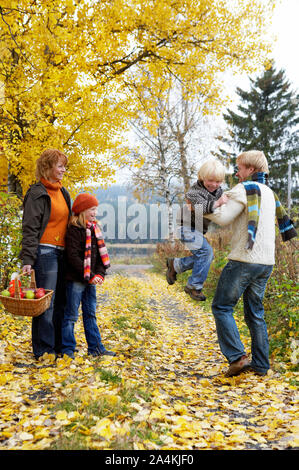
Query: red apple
[{"x": 39, "y": 293}]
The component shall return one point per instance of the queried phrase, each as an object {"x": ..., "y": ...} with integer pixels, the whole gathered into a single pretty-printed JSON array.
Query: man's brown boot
[
  {"x": 170, "y": 273},
  {"x": 195, "y": 294},
  {"x": 238, "y": 366}
]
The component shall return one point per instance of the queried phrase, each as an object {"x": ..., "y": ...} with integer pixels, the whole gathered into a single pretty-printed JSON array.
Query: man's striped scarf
[
  {"x": 253, "y": 194},
  {"x": 101, "y": 246}
]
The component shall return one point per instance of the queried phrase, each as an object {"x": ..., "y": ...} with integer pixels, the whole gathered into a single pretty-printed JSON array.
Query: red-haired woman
[{"x": 46, "y": 211}]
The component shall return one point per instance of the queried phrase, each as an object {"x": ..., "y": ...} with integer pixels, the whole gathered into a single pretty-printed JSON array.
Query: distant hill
[
  {"x": 125, "y": 220},
  {"x": 113, "y": 192}
]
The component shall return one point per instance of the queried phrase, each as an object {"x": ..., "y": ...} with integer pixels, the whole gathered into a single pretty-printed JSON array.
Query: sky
[
  {"x": 285, "y": 25},
  {"x": 285, "y": 50}
]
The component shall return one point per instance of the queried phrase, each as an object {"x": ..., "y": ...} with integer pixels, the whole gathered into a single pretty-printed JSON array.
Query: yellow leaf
[
  {"x": 157, "y": 415},
  {"x": 41, "y": 434},
  {"x": 25, "y": 436},
  {"x": 104, "y": 428},
  {"x": 61, "y": 415},
  {"x": 180, "y": 408},
  {"x": 6, "y": 434},
  {"x": 294, "y": 442},
  {"x": 83, "y": 430}
]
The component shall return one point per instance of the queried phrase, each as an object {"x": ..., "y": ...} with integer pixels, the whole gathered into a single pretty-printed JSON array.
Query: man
[{"x": 252, "y": 209}]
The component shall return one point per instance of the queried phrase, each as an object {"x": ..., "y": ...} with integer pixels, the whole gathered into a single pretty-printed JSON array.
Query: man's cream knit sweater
[{"x": 234, "y": 213}]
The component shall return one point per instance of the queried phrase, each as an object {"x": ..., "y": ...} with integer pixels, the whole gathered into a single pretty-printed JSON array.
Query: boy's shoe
[
  {"x": 238, "y": 366},
  {"x": 170, "y": 273},
  {"x": 194, "y": 293}
]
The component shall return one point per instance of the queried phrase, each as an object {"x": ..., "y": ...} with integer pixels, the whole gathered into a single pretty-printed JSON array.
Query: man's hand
[{"x": 222, "y": 200}]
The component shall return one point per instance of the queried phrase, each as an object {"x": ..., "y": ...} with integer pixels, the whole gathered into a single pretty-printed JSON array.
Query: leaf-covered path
[{"x": 165, "y": 389}]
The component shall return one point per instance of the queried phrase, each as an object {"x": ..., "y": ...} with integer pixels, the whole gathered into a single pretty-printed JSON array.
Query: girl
[{"x": 87, "y": 261}]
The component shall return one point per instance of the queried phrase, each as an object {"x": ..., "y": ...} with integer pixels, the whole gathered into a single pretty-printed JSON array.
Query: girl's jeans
[
  {"x": 46, "y": 328},
  {"x": 199, "y": 262},
  {"x": 249, "y": 279},
  {"x": 78, "y": 293}
]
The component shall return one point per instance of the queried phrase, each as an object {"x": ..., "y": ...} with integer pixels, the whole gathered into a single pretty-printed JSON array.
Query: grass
[
  {"x": 108, "y": 376},
  {"x": 148, "y": 325},
  {"x": 121, "y": 322},
  {"x": 75, "y": 436}
]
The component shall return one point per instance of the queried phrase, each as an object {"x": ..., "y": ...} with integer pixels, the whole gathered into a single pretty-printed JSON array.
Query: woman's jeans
[
  {"x": 78, "y": 293},
  {"x": 199, "y": 262},
  {"x": 46, "y": 328},
  {"x": 249, "y": 279}
]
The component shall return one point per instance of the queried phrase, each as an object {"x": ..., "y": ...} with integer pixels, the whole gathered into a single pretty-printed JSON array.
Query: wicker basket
[{"x": 27, "y": 307}]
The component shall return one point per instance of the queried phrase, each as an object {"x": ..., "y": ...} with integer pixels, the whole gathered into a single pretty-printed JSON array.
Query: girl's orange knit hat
[{"x": 83, "y": 202}]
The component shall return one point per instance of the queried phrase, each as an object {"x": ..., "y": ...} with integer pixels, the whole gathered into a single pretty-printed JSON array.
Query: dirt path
[{"x": 131, "y": 270}]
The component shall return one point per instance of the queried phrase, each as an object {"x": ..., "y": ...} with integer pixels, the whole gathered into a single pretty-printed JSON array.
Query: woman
[{"x": 47, "y": 208}]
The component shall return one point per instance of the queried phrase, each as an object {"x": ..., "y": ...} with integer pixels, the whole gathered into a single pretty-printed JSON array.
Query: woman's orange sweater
[{"x": 57, "y": 224}]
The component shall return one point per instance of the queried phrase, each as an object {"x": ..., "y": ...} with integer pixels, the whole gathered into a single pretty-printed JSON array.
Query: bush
[
  {"x": 281, "y": 303},
  {"x": 167, "y": 250},
  {"x": 10, "y": 236}
]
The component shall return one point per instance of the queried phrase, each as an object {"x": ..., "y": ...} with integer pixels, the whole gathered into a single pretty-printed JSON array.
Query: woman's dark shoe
[
  {"x": 170, "y": 273},
  {"x": 194, "y": 293}
]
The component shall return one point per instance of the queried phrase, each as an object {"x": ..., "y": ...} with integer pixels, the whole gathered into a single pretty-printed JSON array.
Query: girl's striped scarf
[
  {"x": 101, "y": 246},
  {"x": 253, "y": 193}
]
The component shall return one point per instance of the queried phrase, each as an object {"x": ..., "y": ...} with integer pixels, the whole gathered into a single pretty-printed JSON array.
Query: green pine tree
[{"x": 268, "y": 121}]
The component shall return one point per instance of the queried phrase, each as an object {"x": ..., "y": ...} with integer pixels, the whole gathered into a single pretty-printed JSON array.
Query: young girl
[
  {"x": 87, "y": 260},
  {"x": 206, "y": 194}
]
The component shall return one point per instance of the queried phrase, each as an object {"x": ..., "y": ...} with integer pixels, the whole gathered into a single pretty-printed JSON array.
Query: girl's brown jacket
[{"x": 75, "y": 250}]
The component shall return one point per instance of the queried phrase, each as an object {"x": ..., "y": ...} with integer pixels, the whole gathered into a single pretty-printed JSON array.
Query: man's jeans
[
  {"x": 79, "y": 293},
  {"x": 249, "y": 279},
  {"x": 199, "y": 262},
  {"x": 46, "y": 328}
]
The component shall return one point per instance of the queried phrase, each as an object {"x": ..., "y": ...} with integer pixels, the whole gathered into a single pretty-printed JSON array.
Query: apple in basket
[
  {"x": 29, "y": 294},
  {"x": 39, "y": 293},
  {"x": 5, "y": 293}
]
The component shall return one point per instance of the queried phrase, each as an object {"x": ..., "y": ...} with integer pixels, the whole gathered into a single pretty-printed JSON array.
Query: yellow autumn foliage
[{"x": 72, "y": 72}]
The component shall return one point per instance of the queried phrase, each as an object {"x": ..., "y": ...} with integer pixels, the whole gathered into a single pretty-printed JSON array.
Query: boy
[{"x": 202, "y": 198}]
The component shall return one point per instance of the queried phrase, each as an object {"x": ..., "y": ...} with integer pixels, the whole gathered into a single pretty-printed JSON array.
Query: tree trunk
[
  {"x": 14, "y": 186},
  {"x": 183, "y": 160}
]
